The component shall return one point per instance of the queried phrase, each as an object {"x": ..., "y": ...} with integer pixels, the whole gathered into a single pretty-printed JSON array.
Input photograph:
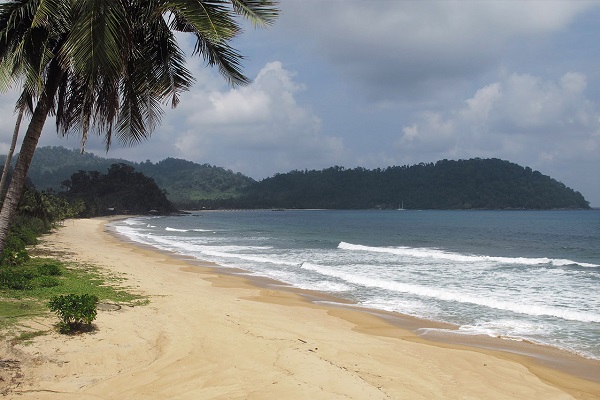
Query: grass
[
  {"x": 16, "y": 305},
  {"x": 28, "y": 336}
]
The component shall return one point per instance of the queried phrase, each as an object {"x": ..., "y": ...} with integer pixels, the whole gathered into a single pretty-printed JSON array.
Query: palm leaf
[
  {"x": 261, "y": 13},
  {"x": 211, "y": 19},
  {"x": 96, "y": 38}
]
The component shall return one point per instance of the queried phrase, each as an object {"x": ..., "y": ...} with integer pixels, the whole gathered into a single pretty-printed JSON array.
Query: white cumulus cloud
[{"x": 262, "y": 120}]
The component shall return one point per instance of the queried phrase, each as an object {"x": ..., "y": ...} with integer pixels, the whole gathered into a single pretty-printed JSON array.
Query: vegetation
[
  {"x": 76, "y": 312},
  {"x": 106, "y": 67},
  {"x": 38, "y": 212},
  {"x": 32, "y": 297},
  {"x": 463, "y": 184},
  {"x": 28, "y": 283},
  {"x": 121, "y": 190},
  {"x": 185, "y": 182}
]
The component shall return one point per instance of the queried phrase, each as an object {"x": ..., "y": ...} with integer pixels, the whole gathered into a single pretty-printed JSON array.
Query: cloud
[
  {"x": 259, "y": 129},
  {"x": 7, "y": 122},
  {"x": 523, "y": 118},
  {"x": 410, "y": 49},
  {"x": 520, "y": 108}
]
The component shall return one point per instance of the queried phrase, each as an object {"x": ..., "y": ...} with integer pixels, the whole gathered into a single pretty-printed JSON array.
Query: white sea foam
[
  {"x": 405, "y": 306},
  {"x": 456, "y": 296},
  {"x": 169, "y": 229},
  {"x": 424, "y": 252},
  {"x": 246, "y": 257},
  {"x": 326, "y": 286},
  {"x": 514, "y": 328},
  {"x": 133, "y": 221}
]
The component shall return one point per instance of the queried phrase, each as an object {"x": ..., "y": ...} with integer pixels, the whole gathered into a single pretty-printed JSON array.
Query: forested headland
[
  {"x": 447, "y": 184},
  {"x": 464, "y": 184}
]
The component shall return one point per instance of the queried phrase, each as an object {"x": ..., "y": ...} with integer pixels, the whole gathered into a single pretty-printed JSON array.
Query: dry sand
[{"x": 206, "y": 335}]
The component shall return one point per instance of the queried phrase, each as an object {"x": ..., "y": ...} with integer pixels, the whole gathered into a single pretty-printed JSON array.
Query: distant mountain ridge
[
  {"x": 447, "y": 184},
  {"x": 183, "y": 180}
]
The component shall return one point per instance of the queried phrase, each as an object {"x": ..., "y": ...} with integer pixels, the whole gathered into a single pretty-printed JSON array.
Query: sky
[{"x": 382, "y": 82}]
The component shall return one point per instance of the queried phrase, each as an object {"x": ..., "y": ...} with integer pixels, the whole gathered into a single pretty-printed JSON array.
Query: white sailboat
[{"x": 401, "y": 207}]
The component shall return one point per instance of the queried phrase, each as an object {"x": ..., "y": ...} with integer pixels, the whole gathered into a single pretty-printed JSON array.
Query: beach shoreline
[
  {"x": 209, "y": 334},
  {"x": 430, "y": 330}
]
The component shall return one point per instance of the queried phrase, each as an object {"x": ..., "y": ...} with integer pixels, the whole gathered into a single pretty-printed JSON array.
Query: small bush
[
  {"x": 76, "y": 312},
  {"x": 49, "y": 269}
]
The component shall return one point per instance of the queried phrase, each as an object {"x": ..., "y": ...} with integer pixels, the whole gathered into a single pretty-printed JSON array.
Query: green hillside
[{"x": 184, "y": 181}]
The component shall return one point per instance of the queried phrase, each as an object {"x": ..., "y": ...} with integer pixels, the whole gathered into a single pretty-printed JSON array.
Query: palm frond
[
  {"x": 261, "y": 13},
  {"x": 166, "y": 63},
  {"x": 54, "y": 15},
  {"x": 211, "y": 18},
  {"x": 225, "y": 58},
  {"x": 95, "y": 41}
]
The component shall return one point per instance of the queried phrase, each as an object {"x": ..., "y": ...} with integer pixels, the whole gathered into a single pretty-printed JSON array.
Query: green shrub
[
  {"x": 76, "y": 312},
  {"x": 49, "y": 269},
  {"x": 15, "y": 278},
  {"x": 27, "y": 234},
  {"x": 46, "y": 281},
  {"x": 14, "y": 252}
]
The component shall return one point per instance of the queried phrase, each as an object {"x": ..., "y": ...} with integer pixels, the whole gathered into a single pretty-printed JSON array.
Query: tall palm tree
[
  {"x": 106, "y": 67},
  {"x": 13, "y": 144}
]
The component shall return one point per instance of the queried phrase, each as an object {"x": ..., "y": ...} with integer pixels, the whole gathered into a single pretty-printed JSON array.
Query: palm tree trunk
[
  {"x": 10, "y": 153},
  {"x": 13, "y": 195}
]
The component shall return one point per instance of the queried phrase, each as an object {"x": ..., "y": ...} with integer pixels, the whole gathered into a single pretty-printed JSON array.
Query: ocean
[{"x": 519, "y": 275}]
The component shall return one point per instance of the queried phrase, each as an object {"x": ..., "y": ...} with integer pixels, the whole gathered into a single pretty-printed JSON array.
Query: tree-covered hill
[
  {"x": 187, "y": 182},
  {"x": 464, "y": 184},
  {"x": 184, "y": 181},
  {"x": 121, "y": 190}
]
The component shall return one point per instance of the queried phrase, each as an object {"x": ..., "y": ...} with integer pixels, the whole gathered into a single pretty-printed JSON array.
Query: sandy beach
[{"x": 206, "y": 335}]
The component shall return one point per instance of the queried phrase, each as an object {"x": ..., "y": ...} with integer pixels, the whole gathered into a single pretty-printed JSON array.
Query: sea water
[{"x": 521, "y": 275}]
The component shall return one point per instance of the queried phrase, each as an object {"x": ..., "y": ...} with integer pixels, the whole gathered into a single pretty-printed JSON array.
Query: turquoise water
[{"x": 524, "y": 275}]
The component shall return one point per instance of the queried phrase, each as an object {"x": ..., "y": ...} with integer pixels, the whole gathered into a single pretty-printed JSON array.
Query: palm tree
[
  {"x": 106, "y": 67},
  {"x": 8, "y": 160}
]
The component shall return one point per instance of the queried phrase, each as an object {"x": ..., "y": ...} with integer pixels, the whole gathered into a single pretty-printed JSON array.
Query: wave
[
  {"x": 246, "y": 257},
  {"x": 133, "y": 221},
  {"x": 176, "y": 230},
  {"x": 448, "y": 295},
  {"x": 425, "y": 252},
  {"x": 206, "y": 251},
  {"x": 169, "y": 229}
]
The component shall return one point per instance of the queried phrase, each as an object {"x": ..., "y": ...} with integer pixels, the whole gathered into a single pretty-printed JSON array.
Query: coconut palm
[
  {"x": 13, "y": 144},
  {"x": 107, "y": 67}
]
